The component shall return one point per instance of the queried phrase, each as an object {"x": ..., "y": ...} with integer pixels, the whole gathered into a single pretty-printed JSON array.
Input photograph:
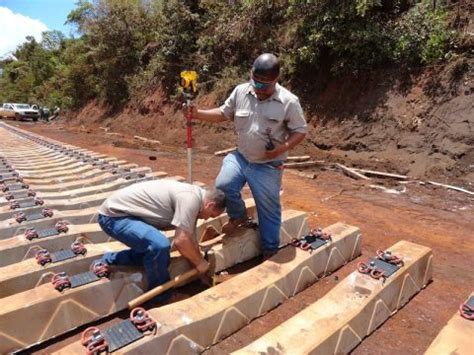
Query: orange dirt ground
[{"x": 438, "y": 218}]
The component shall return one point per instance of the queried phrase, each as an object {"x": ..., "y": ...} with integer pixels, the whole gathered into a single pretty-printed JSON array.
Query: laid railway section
[{"x": 51, "y": 274}]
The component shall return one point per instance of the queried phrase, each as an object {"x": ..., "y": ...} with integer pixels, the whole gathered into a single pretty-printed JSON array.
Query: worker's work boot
[
  {"x": 267, "y": 254},
  {"x": 233, "y": 224}
]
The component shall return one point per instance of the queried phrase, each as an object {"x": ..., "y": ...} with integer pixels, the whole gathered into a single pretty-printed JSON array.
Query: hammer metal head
[
  {"x": 210, "y": 256},
  {"x": 209, "y": 277}
]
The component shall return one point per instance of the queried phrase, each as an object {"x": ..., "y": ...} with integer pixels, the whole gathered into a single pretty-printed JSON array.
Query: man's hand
[
  {"x": 186, "y": 109},
  {"x": 293, "y": 140},
  {"x": 279, "y": 150},
  {"x": 202, "y": 267}
]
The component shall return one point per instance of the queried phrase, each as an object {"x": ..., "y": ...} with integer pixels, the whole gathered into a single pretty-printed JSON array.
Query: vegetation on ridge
[{"x": 125, "y": 48}]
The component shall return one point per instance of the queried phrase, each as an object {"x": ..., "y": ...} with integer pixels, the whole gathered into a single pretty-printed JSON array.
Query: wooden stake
[
  {"x": 299, "y": 158},
  {"x": 225, "y": 151},
  {"x": 306, "y": 164},
  {"x": 451, "y": 187},
  {"x": 351, "y": 172},
  {"x": 381, "y": 174},
  {"x": 143, "y": 139}
]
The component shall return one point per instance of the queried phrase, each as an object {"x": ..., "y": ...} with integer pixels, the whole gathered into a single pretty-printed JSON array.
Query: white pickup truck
[{"x": 18, "y": 111}]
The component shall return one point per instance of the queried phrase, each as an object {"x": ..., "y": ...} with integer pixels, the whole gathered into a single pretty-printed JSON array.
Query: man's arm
[
  {"x": 187, "y": 246},
  {"x": 293, "y": 140},
  {"x": 213, "y": 115}
]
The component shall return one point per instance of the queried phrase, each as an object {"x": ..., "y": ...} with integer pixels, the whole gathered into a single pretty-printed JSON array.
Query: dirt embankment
[{"x": 418, "y": 123}]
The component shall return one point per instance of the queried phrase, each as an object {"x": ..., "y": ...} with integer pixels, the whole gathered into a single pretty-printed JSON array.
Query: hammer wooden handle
[{"x": 162, "y": 288}]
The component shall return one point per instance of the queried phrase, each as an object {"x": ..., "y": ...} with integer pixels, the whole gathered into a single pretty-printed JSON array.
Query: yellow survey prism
[{"x": 189, "y": 81}]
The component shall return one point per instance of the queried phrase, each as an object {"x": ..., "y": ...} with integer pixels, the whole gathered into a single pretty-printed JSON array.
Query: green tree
[{"x": 116, "y": 33}]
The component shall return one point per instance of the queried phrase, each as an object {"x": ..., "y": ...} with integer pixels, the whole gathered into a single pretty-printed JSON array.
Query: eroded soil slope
[{"x": 418, "y": 123}]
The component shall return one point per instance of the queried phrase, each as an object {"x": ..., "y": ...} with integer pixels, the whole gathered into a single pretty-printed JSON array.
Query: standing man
[
  {"x": 269, "y": 121},
  {"x": 137, "y": 214}
]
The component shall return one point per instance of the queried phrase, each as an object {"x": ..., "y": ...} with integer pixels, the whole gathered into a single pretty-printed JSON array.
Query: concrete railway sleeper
[
  {"x": 119, "y": 168},
  {"x": 75, "y": 203},
  {"x": 46, "y": 218},
  {"x": 24, "y": 155},
  {"x": 20, "y": 248},
  {"x": 64, "y": 152},
  {"x": 30, "y": 205},
  {"x": 32, "y": 273},
  {"x": 457, "y": 336},
  {"x": 11, "y": 227},
  {"x": 41, "y": 160},
  {"x": 50, "y": 156},
  {"x": 84, "y": 169},
  {"x": 41, "y": 141},
  {"x": 121, "y": 181},
  {"x": 85, "y": 181},
  {"x": 70, "y": 164},
  {"x": 50, "y": 312},
  {"x": 76, "y": 156},
  {"x": 66, "y": 165},
  {"x": 75, "y": 174},
  {"x": 47, "y": 162},
  {"x": 53, "y": 312},
  {"x": 30, "y": 190},
  {"x": 352, "y": 310}
]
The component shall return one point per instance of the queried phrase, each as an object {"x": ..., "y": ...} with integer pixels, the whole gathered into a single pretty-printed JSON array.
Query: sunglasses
[{"x": 261, "y": 85}]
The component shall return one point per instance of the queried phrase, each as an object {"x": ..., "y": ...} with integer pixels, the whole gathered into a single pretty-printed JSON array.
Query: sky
[{"x": 21, "y": 18}]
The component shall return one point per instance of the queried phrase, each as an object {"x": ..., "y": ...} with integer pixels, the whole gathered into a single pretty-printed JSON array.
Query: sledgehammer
[{"x": 175, "y": 282}]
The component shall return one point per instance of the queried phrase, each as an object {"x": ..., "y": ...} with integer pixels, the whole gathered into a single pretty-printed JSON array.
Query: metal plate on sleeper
[
  {"x": 27, "y": 204},
  {"x": 35, "y": 216},
  {"x": 21, "y": 194},
  {"x": 121, "y": 334},
  {"x": 9, "y": 180},
  {"x": 62, "y": 255},
  {"x": 15, "y": 187},
  {"x": 470, "y": 302},
  {"x": 389, "y": 269},
  {"x": 318, "y": 243},
  {"x": 47, "y": 232},
  {"x": 83, "y": 278},
  {"x": 8, "y": 175},
  {"x": 108, "y": 167}
]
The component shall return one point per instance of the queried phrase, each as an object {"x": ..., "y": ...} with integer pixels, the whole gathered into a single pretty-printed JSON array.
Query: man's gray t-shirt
[
  {"x": 162, "y": 203},
  {"x": 279, "y": 115}
]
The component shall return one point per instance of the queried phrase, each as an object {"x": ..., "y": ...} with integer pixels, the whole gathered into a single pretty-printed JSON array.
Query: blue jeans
[
  {"x": 148, "y": 247},
  {"x": 264, "y": 181}
]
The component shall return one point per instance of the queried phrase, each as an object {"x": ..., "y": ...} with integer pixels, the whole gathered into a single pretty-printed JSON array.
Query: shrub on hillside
[{"x": 421, "y": 36}]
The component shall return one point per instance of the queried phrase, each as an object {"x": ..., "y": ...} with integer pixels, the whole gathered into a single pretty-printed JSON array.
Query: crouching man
[{"x": 137, "y": 215}]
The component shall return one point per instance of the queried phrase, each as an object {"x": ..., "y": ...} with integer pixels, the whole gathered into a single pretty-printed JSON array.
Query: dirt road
[{"x": 440, "y": 219}]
